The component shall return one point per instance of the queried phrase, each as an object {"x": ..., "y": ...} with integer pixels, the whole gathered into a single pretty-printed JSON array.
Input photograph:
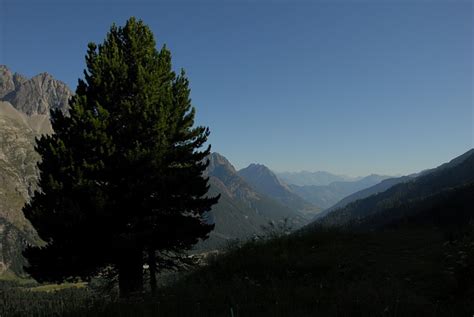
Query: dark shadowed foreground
[{"x": 399, "y": 272}]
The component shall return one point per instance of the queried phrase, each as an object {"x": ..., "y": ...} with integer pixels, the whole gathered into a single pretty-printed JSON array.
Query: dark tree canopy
[{"x": 122, "y": 176}]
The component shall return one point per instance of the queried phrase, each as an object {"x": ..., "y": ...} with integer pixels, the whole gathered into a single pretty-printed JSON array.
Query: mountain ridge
[
  {"x": 328, "y": 195},
  {"x": 457, "y": 172},
  {"x": 20, "y": 123},
  {"x": 242, "y": 211},
  {"x": 387, "y": 183},
  {"x": 33, "y": 96},
  {"x": 318, "y": 178},
  {"x": 265, "y": 181}
]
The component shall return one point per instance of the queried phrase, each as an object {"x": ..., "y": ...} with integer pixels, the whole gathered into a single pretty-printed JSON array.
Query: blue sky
[{"x": 351, "y": 87}]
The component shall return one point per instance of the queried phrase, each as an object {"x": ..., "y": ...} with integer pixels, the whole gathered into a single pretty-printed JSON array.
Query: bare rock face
[
  {"x": 24, "y": 115},
  {"x": 39, "y": 95},
  {"x": 6, "y": 81},
  {"x": 18, "y": 180},
  {"x": 34, "y": 96},
  {"x": 19, "y": 79},
  {"x": 17, "y": 162}
]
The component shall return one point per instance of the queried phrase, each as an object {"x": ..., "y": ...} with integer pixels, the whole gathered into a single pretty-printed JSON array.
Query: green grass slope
[{"x": 403, "y": 272}]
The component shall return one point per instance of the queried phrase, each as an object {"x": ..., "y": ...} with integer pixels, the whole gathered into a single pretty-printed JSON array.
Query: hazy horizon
[
  {"x": 351, "y": 88},
  {"x": 339, "y": 173}
]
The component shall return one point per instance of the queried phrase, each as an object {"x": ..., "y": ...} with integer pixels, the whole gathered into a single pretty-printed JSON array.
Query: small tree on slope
[{"x": 121, "y": 177}]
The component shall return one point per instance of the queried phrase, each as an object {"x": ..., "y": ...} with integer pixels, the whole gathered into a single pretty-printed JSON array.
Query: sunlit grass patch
[{"x": 57, "y": 287}]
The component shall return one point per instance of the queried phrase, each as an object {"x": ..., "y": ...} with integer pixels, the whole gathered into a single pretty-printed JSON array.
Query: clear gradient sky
[{"x": 351, "y": 87}]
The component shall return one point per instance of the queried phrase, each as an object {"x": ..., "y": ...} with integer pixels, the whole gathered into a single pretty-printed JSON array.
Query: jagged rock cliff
[
  {"x": 34, "y": 96},
  {"x": 24, "y": 115}
]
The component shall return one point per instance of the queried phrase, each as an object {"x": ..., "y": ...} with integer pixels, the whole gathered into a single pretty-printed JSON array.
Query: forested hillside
[{"x": 457, "y": 173}]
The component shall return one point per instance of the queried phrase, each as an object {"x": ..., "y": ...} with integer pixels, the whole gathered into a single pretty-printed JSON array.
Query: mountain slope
[
  {"x": 17, "y": 163},
  {"x": 20, "y": 123},
  {"x": 387, "y": 183},
  {"x": 377, "y": 188},
  {"x": 327, "y": 196},
  {"x": 451, "y": 209},
  {"x": 459, "y": 172},
  {"x": 18, "y": 175},
  {"x": 241, "y": 211},
  {"x": 265, "y": 181}
]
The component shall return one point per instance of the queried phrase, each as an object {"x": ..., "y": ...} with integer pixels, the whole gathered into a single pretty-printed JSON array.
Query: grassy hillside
[
  {"x": 404, "y": 272},
  {"x": 449, "y": 209}
]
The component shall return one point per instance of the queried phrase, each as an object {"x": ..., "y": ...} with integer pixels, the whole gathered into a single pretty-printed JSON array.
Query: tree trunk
[
  {"x": 131, "y": 274},
  {"x": 152, "y": 268}
]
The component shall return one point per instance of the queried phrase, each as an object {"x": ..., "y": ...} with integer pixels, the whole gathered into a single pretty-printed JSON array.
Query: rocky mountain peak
[
  {"x": 34, "y": 96},
  {"x": 258, "y": 167},
  {"x": 264, "y": 180},
  {"x": 217, "y": 161},
  {"x": 25, "y": 105},
  {"x": 7, "y": 84},
  {"x": 19, "y": 79},
  {"x": 262, "y": 172}
]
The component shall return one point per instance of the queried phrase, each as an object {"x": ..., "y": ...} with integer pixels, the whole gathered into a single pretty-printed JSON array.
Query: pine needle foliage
[{"x": 122, "y": 176}]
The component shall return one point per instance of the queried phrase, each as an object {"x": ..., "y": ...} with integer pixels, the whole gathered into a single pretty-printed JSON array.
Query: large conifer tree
[{"x": 121, "y": 177}]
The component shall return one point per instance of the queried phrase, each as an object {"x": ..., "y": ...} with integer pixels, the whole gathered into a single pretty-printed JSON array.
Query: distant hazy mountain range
[
  {"x": 319, "y": 178},
  {"x": 377, "y": 188},
  {"x": 409, "y": 196},
  {"x": 328, "y": 195},
  {"x": 324, "y": 189}
]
